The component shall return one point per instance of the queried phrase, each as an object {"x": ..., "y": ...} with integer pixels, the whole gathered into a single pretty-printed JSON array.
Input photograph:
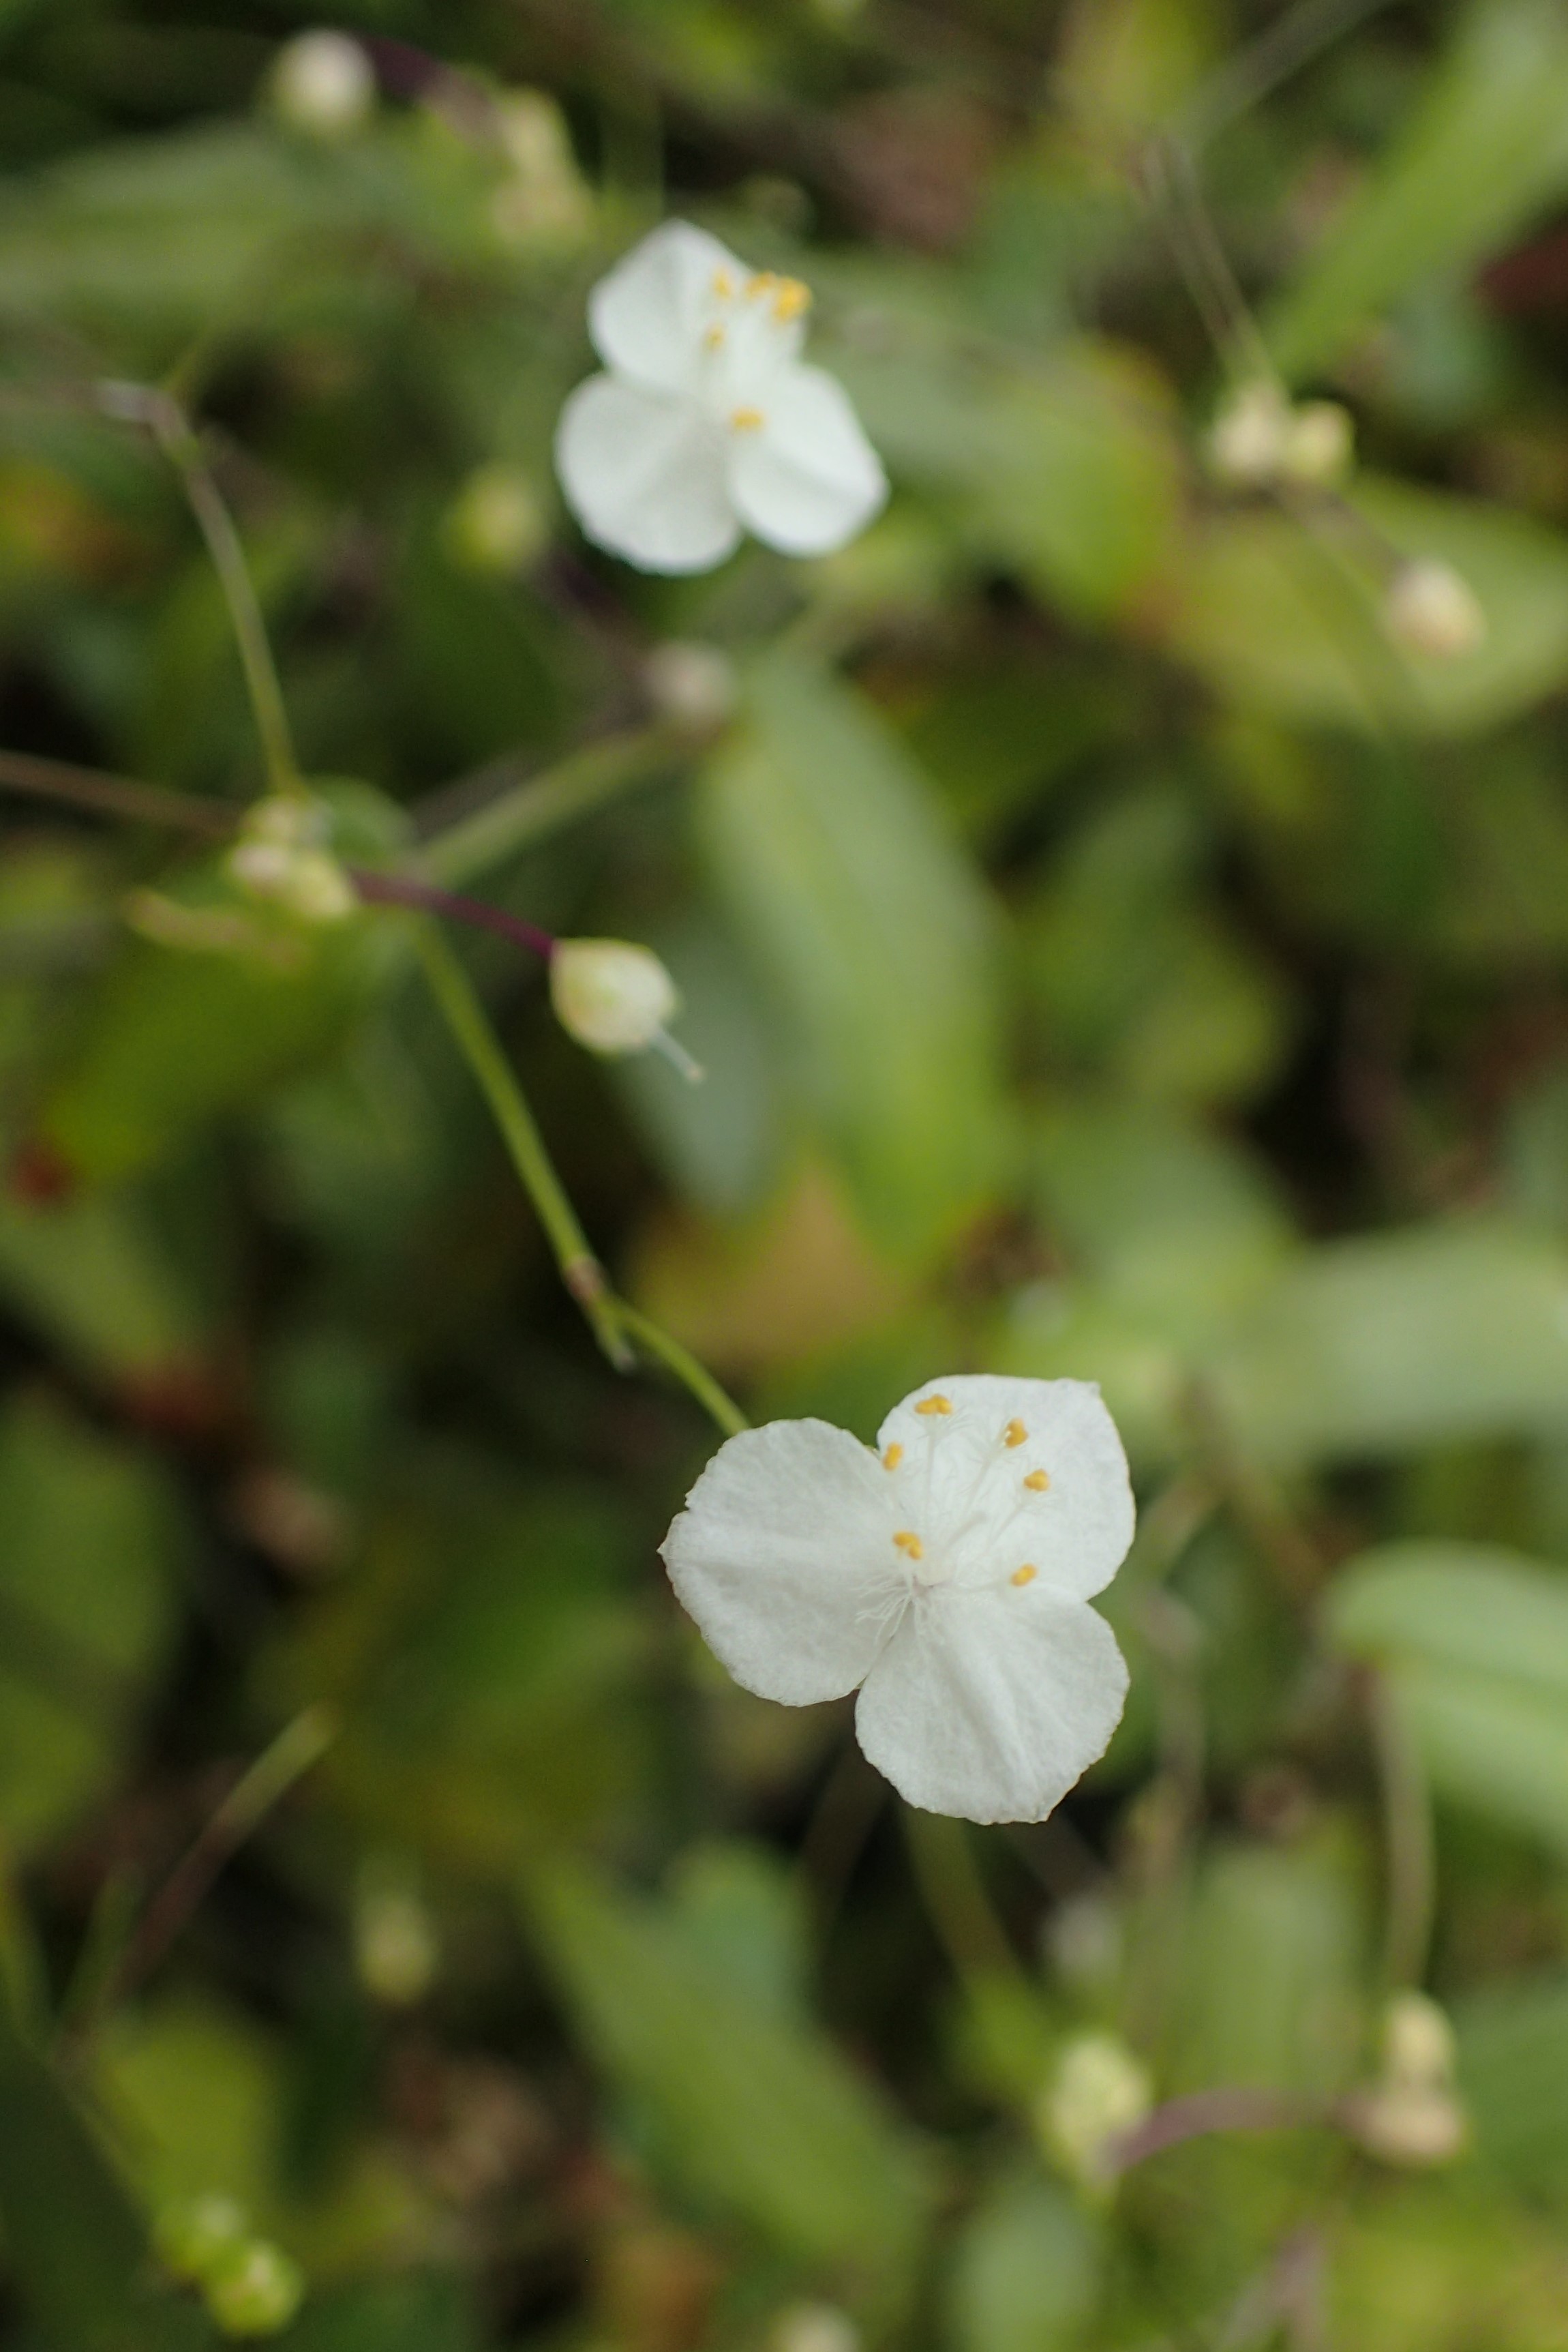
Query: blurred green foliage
[{"x": 1111, "y": 955}]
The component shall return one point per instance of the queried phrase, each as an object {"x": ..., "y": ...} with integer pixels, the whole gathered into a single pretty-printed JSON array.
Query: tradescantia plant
[{"x": 991, "y": 839}]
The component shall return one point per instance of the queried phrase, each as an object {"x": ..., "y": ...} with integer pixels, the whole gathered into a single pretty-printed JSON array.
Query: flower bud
[
  {"x": 1098, "y": 2091},
  {"x": 194, "y": 2235},
  {"x": 1248, "y": 439},
  {"x": 496, "y": 523},
  {"x": 813, "y": 2328},
  {"x": 255, "y": 2290},
  {"x": 394, "y": 1937},
  {"x": 280, "y": 857},
  {"x": 1430, "y": 610},
  {"x": 612, "y": 997},
  {"x": 1320, "y": 443},
  {"x": 693, "y": 684},
  {"x": 1411, "y": 2115},
  {"x": 544, "y": 200},
  {"x": 323, "y": 85}
]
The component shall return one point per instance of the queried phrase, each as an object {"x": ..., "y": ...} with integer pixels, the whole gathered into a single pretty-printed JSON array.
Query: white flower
[
  {"x": 946, "y": 1574},
  {"x": 708, "y": 423}
]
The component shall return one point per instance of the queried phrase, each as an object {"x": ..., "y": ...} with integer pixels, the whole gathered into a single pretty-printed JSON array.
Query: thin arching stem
[
  {"x": 1411, "y": 1872},
  {"x": 161, "y": 415}
]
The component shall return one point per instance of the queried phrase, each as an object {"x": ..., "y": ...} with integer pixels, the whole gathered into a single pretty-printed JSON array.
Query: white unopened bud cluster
[
  {"x": 1099, "y": 2091},
  {"x": 693, "y": 684},
  {"x": 1261, "y": 439},
  {"x": 250, "y": 2286},
  {"x": 1430, "y": 610},
  {"x": 616, "y": 998},
  {"x": 281, "y": 857},
  {"x": 323, "y": 86},
  {"x": 1411, "y": 2115}
]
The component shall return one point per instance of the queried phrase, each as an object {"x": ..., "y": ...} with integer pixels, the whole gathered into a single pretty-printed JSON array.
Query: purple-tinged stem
[{"x": 400, "y": 890}]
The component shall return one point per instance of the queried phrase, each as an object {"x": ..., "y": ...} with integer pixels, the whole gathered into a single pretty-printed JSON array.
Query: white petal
[
  {"x": 647, "y": 316},
  {"x": 991, "y": 1704},
  {"x": 784, "y": 1555},
  {"x": 959, "y": 1473},
  {"x": 807, "y": 479},
  {"x": 644, "y": 474}
]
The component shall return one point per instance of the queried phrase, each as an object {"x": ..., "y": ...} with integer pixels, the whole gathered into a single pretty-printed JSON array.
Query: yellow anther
[
  {"x": 910, "y": 1543},
  {"x": 790, "y": 300},
  {"x": 933, "y": 1404},
  {"x": 1038, "y": 1481},
  {"x": 1014, "y": 1434},
  {"x": 713, "y": 340},
  {"x": 1026, "y": 1574},
  {"x": 892, "y": 1457},
  {"x": 723, "y": 285},
  {"x": 764, "y": 281},
  {"x": 747, "y": 420}
]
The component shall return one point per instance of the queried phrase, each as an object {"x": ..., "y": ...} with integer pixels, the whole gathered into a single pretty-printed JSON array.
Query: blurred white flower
[
  {"x": 1099, "y": 2091},
  {"x": 813, "y": 2328},
  {"x": 947, "y": 1575},
  {"x": 616, "y": 998},
  {"x": 1429, "y": 609},
  {"x": 324, "y": 85},
  {"x": 707, "y": 422},
  {"x": 696, "y": 685},
  {"x": 1260, "y": 437}
]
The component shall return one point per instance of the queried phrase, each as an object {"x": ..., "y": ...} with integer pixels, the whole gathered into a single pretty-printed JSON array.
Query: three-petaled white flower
[
  {"x": 947, "y": 1575},
  {"x": 708, "y": 423}
]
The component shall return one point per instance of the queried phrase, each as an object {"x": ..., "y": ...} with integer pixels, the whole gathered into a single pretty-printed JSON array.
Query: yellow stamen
[
  {"x": 713, "y": 340},
  {"x": 790, "y": 300},
  {"x": 892, "y": 1457},
  {"x": 933, "y": 1404},
  {"x": 909, "y": 1543},
  {"x": 762, "y": 283},
  {"x": 747, "y": 420},
  {"x": 1026, "y": 1574},
  {"x": 723, "y": 285},
  {"x": 1014, "y": 1434},
  {"x": 1038, "y": 1481}
]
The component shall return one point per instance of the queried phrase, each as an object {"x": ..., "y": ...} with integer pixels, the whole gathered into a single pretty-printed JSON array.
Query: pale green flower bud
[
  {"x": 1099, "y": 2091},
  {"x": 496, "y": 523},
  {"x": 194, "y": 2235},
  {"x": 323, "y": 85},
  {"x": 255, "y": 2290},
  {"x": 695, "y": 685},
  {"x": 813, "y": 2328},
  {"x": 1412, "y": 2114},
  {"x": 394, "y": 1937},
  {"x": 280, "y": 857},
  {"x": 1320, "y": 443},
  {"x": 1429, "y": 609},
  {"x": 1248, "y": 439},
  {"x": 614, "y": 998}
]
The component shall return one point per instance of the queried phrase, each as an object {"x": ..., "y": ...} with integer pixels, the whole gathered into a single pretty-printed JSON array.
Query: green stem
[
  {"x": 610, "y": 1318},
  {"x": 481, "y": 1049},
  {"x": 160, "y": 413},
  {"x": 297, "y": 1747},
  {"x": 1407, "y": 1832},
  {"x": 528, "y": 812},
  {"x": 954, "y": 1898},
  {"x": 685, "y": 1367}
]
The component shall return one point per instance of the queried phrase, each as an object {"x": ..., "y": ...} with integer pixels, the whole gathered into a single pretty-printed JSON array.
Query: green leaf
[
  {"x": 1025, "y": 2270},
  {"x": 96, "y": 1278},
  {"x": 1475, "y": 1642},
  {"x": 74, "y": 2246},
  {"x": 1513, "y": 2072},
  {"x": 1487, "y": 151},
  {"x": 1286, "y": 621},
  {"x": 1396, "y": 1341},
  {"x": 1077, "y": 479},
  {"x": 873, "y": 936},
  {"x": 89, "y": 1541},
  {"x": 428, "y": 2312},
  {"x": 755, "y": 2114}
]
